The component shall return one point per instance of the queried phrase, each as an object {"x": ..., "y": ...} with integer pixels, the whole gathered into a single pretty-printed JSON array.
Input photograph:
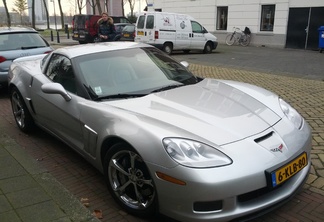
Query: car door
[
  {"x": 184, "y": 33},
  {"x": 198, "y": 39},
  {"x": 59, "y": 116}
]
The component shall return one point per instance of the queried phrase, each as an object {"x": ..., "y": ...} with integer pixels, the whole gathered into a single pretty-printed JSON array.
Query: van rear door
[{"x": 144, "y": 28}]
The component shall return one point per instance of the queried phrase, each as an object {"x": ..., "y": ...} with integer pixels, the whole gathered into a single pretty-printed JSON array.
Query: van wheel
[
  {"x": 208, "y": 48},
  {"x": 82, "y": 42},
  {"x": 167, "y": 48}
]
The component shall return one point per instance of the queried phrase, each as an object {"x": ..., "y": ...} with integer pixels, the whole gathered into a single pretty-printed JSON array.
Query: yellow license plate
[
  {"x": 140, "y": 33},
  {"x": 76, "y": 35},
  {"x": 285, "y": 172},
  {"x": 126, "y": 35}
]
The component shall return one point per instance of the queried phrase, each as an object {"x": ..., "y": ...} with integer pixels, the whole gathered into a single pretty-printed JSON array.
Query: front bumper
[{"x": 234, "y": 191}]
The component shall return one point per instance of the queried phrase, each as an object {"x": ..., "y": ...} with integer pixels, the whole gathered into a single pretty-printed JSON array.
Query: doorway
[{"x": 303, "y": 24}]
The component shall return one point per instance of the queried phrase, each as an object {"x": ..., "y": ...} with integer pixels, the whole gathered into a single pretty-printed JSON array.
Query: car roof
[
  {"x": 79, "y": 50},
  {"x": 16, "y": 29}
]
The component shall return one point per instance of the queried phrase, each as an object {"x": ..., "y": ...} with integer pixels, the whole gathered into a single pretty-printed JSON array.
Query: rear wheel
[
  {"x": 20, "y": 111},
  {"x": 167, "y": 48},
  {"x": 129, "y": 180},
  {"x": 245, "y": 40},
  {"x": 230, "y": 39}
]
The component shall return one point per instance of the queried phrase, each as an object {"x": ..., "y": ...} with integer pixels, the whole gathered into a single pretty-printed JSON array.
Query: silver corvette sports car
[{"x": 167, "y": 141}]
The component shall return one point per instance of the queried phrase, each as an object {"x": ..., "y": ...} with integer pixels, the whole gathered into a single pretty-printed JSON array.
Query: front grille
[{"x": 208, "y": 206}]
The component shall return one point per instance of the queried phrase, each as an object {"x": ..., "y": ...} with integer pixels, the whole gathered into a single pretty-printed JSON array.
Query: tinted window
[
  {"x": 60, "y": 71},
  {"x": 150, "y": 22},
  {"x": 140, "y": 22}
]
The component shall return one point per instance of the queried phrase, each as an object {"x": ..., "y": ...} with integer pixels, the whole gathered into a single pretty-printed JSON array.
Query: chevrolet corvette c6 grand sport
[{"x": 191, "y": 148}]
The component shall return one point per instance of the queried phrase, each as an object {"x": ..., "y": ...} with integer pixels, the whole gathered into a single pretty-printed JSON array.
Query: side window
[
  {"x": 140, "y": 22},
  {"x": 150, "y": 22},
  {"x": 196, "y": 27},
  {"x": 60, "y": 71}
]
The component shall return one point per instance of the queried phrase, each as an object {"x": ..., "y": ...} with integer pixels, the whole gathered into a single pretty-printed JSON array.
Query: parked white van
[{"x": 172, "y": 31}]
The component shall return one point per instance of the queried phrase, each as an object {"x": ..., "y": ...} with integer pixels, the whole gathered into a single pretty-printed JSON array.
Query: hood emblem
[{"x": 277, "y": 149}]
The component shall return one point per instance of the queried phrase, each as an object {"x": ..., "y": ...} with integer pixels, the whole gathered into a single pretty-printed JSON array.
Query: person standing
[{"x": 106, "y": 31}]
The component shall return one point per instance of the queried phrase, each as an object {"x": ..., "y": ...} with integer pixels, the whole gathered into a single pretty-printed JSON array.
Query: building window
[
  {"x": 221, "y": 18},
  {"x": 267, "y": 17}
]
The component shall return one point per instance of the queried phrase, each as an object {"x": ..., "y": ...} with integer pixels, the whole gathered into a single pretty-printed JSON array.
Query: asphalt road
[{"x": 290, "y": 62}]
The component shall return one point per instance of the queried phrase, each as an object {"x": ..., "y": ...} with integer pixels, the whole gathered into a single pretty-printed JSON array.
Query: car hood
[{"x": 210, "y": 109}]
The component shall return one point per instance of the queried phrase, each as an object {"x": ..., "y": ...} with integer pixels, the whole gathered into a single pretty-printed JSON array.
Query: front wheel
[
  {"x": 245, "y": 40},
  {"x": 208, "y": 48},
  {"x": 230, "y": 39},
  {"x": 129, "y": 180},
  {"x": 20, "y": 111}
]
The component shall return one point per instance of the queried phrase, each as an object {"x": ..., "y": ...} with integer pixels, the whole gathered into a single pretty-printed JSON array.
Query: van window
[
  {"x": 150, "y": 22},
  {"x": 196, "y": 27},
  {"x": 140, "y": 22}
]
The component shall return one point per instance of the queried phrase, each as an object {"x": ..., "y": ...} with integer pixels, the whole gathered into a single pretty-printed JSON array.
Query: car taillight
[
  {"x": 156, "y": 34},
  {"x": 2, "y": 59},
  {"x": 47, "y": 52},
  {"x": 72, "y": 23},
  {"x": 134, "y": 34},
  {"x": 86, "y": 24}
]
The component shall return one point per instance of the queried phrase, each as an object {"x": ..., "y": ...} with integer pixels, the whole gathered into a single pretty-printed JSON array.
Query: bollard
[
  {"x": 58, "y": 37},
  {"x": 52, "y": 39},
  {"x": 68, "y": 35},
  {"x": 66, "y": 29}
]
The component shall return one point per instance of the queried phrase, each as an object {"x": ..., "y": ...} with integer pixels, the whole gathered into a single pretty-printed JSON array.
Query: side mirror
[
  {"x": 56, "y": 88},
  {"x": 185, "y": 64}
]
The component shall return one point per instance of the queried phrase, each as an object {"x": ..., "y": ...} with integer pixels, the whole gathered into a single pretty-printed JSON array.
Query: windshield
[
  {"x": 23, "y": 40},
  {"x": 133, "y": 71}
]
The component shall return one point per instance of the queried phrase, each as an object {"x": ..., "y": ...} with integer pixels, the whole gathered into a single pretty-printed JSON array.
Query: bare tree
[
  {"x": 93, "y": 4},
  {"x": 99, "y": 7},
  {"x": 7, "y": 12},
  {"x": 47, "y": 15},
  {"x": 81, "y": 4},
  {"x": 61, "y": 13},
  {"x": 131, "y": 6},
  {"x": 33, "y": 13},
  {"x": 20, "y": 7}
]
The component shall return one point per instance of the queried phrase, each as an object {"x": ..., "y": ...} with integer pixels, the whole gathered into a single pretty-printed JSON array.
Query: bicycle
[{"x": 242, "y": 37}]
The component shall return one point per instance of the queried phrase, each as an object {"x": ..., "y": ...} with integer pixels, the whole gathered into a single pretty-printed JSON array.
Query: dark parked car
[
  {"x": 17, "y": 42},
  {"x": 85, "y": 27},
  {"x": 128, "y": 33}
]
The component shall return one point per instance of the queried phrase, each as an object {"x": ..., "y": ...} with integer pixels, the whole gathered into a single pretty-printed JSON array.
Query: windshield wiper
[
  {"x": 167, "y": 87},
  {"x": 119, "y": 96}
]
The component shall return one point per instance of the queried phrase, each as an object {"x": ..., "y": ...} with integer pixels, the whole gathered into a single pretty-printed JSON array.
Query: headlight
[
  {"x": 291, "y": 114},
  {"x": 194, "y": 154}
]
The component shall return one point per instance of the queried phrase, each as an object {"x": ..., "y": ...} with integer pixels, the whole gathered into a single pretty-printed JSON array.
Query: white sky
[{"x": 68, "y": 6}]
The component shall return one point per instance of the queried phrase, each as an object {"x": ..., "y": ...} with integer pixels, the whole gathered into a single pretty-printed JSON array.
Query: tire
[
  {"x": 230, "y": 39},
  {"x": 186, "y": 51},
  {"x": 82, "y": 42},
  {"x": 245, "y": 40},
  {"x": 129, "y": 180},
  {"x": 208, "y": 48},
  {"x": 167, "y": 48},
  {"x": 20, "y": 111}
]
